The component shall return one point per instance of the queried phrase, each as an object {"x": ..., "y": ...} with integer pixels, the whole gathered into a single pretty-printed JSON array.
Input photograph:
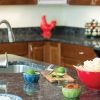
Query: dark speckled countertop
[
  {"x": 73, "y": 35},
  {"x": 43, "y": 90}
]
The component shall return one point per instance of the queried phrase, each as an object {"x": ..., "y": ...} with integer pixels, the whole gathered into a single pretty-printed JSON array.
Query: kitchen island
[
  {"x": 44, "y": 90},
  {"x": 41, "y": 91},
  {"x": 11, "y": 81}
]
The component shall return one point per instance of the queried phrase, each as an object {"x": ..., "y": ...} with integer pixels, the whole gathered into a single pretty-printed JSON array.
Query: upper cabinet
[
  {"x": 52, "y": 1},
  {"x": 83, "y": 2},
  {"x": 17, "y": 2},
  {"x": 97, "y": 2}
]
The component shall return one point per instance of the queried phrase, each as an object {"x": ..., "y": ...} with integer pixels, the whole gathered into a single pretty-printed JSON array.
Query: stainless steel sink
[
  {"x": 17, "y": 64},
  {"x": 20, "y": 67}
]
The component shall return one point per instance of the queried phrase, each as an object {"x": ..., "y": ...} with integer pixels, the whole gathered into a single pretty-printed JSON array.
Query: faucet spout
[{"x": 10, "y": 31}]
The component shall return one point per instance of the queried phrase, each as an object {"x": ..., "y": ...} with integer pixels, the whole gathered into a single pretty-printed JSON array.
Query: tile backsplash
[{"x": 35, "y": 33}]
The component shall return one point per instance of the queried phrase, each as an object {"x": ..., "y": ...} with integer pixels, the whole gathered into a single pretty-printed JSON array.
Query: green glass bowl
[{"x": 71, "y": 92}]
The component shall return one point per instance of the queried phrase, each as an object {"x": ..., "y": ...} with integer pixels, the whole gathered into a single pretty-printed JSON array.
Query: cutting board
[{"x": 55, "y": 79}]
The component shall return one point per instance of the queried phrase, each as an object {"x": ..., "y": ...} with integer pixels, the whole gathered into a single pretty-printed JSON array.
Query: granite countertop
[
  {"x": 73, "y": 35},
  {"x": 44, "y": 90}
]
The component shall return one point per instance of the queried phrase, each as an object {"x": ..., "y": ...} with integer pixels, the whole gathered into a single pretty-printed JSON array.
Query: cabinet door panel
[
  {"x": 14, "y": 2},
  {"x": 35, "y": 50},
  {"x": 55, "y": 55},
  {"x": 75, "y": 54},
  {"x": 38, "y": 53},
  {"x": 20, "y": 49},
  {"x": 69, "y": 62},
  {"x": 77, "y": 51},
  {"x": 46, "y": 52},
  {"x": 97, "y": 2},
  {"x": 79, "y": 2},
  {"x": 52, "y": 52}
]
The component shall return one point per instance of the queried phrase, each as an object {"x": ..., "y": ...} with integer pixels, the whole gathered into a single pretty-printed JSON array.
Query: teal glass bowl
[{"x": 31, "y": 78}]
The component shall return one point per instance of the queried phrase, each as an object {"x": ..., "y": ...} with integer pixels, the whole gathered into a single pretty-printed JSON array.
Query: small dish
[
  {"x": 71, "y": 90},
  {"x": 31, "y": 78}
]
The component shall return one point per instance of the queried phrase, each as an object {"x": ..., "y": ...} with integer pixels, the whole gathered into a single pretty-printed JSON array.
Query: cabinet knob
[{"x": 81, "y": 53}]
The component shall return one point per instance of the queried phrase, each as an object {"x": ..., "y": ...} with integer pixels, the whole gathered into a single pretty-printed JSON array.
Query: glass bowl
[
  {"x": 71, "y": 90},
  {"x": 31, "y": 78}
]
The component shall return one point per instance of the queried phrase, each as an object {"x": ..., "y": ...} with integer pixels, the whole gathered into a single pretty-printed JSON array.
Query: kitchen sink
[
  {"x": 18, "y": 64},
  {"x": 19, "y": 67}
]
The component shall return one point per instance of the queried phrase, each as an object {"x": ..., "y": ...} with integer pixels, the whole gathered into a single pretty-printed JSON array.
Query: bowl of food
[
  {"x": 89, "y": 73},
  {"x": 71, "y": 90},
  {"x": 31, "y": 76}
]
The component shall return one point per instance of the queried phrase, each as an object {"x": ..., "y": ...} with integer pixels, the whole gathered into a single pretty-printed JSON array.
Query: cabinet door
[
  {"x": 14, "y": 2},
  {"x": 35, "y": 50},
  {"x": 75, "y": 54},
  {"x": 97, "y": 2},
  {"x": 80, "y": 2},
  {"x": 20, "y": 49},
  {"x": 52, "y": 52}
]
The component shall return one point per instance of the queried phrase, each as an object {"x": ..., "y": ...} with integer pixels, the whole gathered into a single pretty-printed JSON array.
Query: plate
[{"x": 6, "y": 96}]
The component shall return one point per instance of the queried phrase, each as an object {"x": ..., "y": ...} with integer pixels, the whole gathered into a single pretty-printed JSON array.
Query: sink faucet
[{"x": 11, "y": 37}]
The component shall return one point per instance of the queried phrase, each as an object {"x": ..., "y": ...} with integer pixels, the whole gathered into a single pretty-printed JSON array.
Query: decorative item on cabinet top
[
  {"x": 52, "y": 1},
  {"x": 92, "y": 29}
]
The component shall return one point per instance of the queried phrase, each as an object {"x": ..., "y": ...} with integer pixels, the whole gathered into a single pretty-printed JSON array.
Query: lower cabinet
[
  {"x": 45, "y": 51},
  {"x": 17, "y": 48},
  {"x": 72, "y": 54},
  {"x": 60, "y": 53},
  {"x": 36, "y": 50},
  {"x": 51, "y": 52}
]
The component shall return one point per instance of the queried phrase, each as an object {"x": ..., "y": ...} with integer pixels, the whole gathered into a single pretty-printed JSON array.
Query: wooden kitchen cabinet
[
  {"x": 63, "y": 54},
  {"x": 59, "y": 53},
  {"x": 17, "y": 2},
  {"x": 72, "y": 54},
  {"x": 52, "y": 52},
  {"x": 79, "y": 2},
  {"x": 18, "y": 48},
  {"x": 97, "y": 2},
  {"x": 84, "y": 2},
  {"x": 46, "y": 51},
  {"x": 35, "y": 50}
]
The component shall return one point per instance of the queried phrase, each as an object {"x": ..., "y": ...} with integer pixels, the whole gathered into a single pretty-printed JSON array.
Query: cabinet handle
[
  {"x": 81, "y": 53},
  {"x": 31, "y": 48}
]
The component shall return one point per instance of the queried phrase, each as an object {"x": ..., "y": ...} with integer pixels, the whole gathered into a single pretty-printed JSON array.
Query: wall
[
  {"x": 27, "y": 16},
  {"x": 79, "y": 15},
  {"x": 30, "y": 16}
]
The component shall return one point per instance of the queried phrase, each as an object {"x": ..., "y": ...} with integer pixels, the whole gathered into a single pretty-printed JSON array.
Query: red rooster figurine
[{"x": 46, "y": 28}]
